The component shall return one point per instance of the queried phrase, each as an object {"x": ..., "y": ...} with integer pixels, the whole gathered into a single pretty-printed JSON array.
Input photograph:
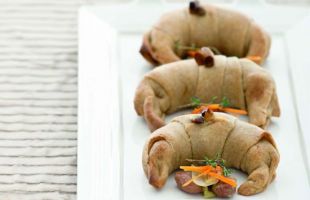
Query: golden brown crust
[
  {"x": 242, "y": 145},
  {"x": 259, "y": 44},
  {"x": 145, "y": 50},
  {"x": 170, "y": 87},
  {"x": 232, "y": 33},
  {"x": 153, "y": 121}
]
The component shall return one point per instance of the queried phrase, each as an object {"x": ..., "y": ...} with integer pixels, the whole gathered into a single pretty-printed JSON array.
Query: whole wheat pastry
[
  {"x": 242, "y": 145},
  {"x": 226, "y": 31},
  {"x": 170, "y": 87}
]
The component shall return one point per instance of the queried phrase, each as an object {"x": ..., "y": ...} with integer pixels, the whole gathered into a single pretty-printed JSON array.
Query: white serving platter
[{"x": 111, "y": 135}]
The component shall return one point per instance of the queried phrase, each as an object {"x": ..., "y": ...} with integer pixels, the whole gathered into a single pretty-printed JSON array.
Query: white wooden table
[{"x": 111, "y": 135}]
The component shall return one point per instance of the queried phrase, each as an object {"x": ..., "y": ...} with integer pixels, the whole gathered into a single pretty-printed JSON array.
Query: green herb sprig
[
  {"x": 225, "y": 102},
  {"x": 213, "y": 162},
  {"x": 196, "y": 102},
  {"x": 213, "y": 99},
  {"x": 218, "y": 161}
]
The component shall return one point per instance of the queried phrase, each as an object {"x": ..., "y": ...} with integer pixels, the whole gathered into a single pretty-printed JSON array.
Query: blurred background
[
  {"x": 38, "y": 95},
  {"x": 288, "y": 2}
]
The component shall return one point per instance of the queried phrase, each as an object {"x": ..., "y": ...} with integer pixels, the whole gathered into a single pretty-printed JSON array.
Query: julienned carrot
[
  {"x": 218, "y": 169},
  {"x": 254, "y": 58},
  {"x": 218, "y": 107},
  {"x": 208, "y": 170},
  {"x": 224, "y": 179},
  {"x": 195, "y": 177},
  {"x": 191, "y": 53},
  {"x": 197, "y": 110},
  {"x": 236, "y": 111},
  {"x": 214, "y": 106},
  {"x": 199, "y": 169}
]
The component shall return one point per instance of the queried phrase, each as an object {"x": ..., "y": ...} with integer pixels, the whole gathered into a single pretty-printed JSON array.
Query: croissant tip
[
  {"x": 156, "y": 184},
  {"x": 154, "y": 180},
  {"x": 145, "y": 52},
  {"x": 246, "y": 190}
]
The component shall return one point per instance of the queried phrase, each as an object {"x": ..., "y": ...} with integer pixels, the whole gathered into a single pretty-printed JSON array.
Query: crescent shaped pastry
[
  {"x": 168, "y": 88},
  {"x": 225, "y": 31},
  {"x": 242, "y": 145}
]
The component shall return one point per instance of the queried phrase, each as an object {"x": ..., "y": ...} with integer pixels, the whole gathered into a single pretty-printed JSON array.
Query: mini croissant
[
  {"x": 225, "y": 31},
  {"x": 168, "y": 88},
  {"x": 242, "y": 145}
]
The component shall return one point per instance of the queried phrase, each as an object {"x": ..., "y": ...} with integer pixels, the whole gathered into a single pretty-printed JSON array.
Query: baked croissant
[
  {"x": 242, "y": 145},
  {"x": 226, "y": 31},
  {"x": 168, "y": 88}
]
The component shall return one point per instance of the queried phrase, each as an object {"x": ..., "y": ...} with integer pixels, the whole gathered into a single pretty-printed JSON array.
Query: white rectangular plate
[{"x": 111, "y": 135}]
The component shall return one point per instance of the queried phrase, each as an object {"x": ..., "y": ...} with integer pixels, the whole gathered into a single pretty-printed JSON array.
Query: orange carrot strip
[
  {"x": 199, "y": 169},
  {"x": 199, "y": 110},
  {"x": 196, "y": 111},
  {"x": 218, "y": 169},
  {"x": 195, "y": 177},
  {"x": 191, "y": 53},
  {"x": 236, "y": 111},
  {"x": 214, "y": 106},
  {"x": 254, "y": 58},
  {"x": 224, "y": 179},
  {"x": 217, "y": 107}
]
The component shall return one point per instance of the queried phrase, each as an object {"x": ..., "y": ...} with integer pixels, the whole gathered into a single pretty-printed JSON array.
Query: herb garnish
[
  {"x": 223, "y": 106},
  {"x": 218, "y": 161},
  {"x": 225, "y": 102},
  {"x": 213, "y": 99},
  {"x": 196, "y": 101}
]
